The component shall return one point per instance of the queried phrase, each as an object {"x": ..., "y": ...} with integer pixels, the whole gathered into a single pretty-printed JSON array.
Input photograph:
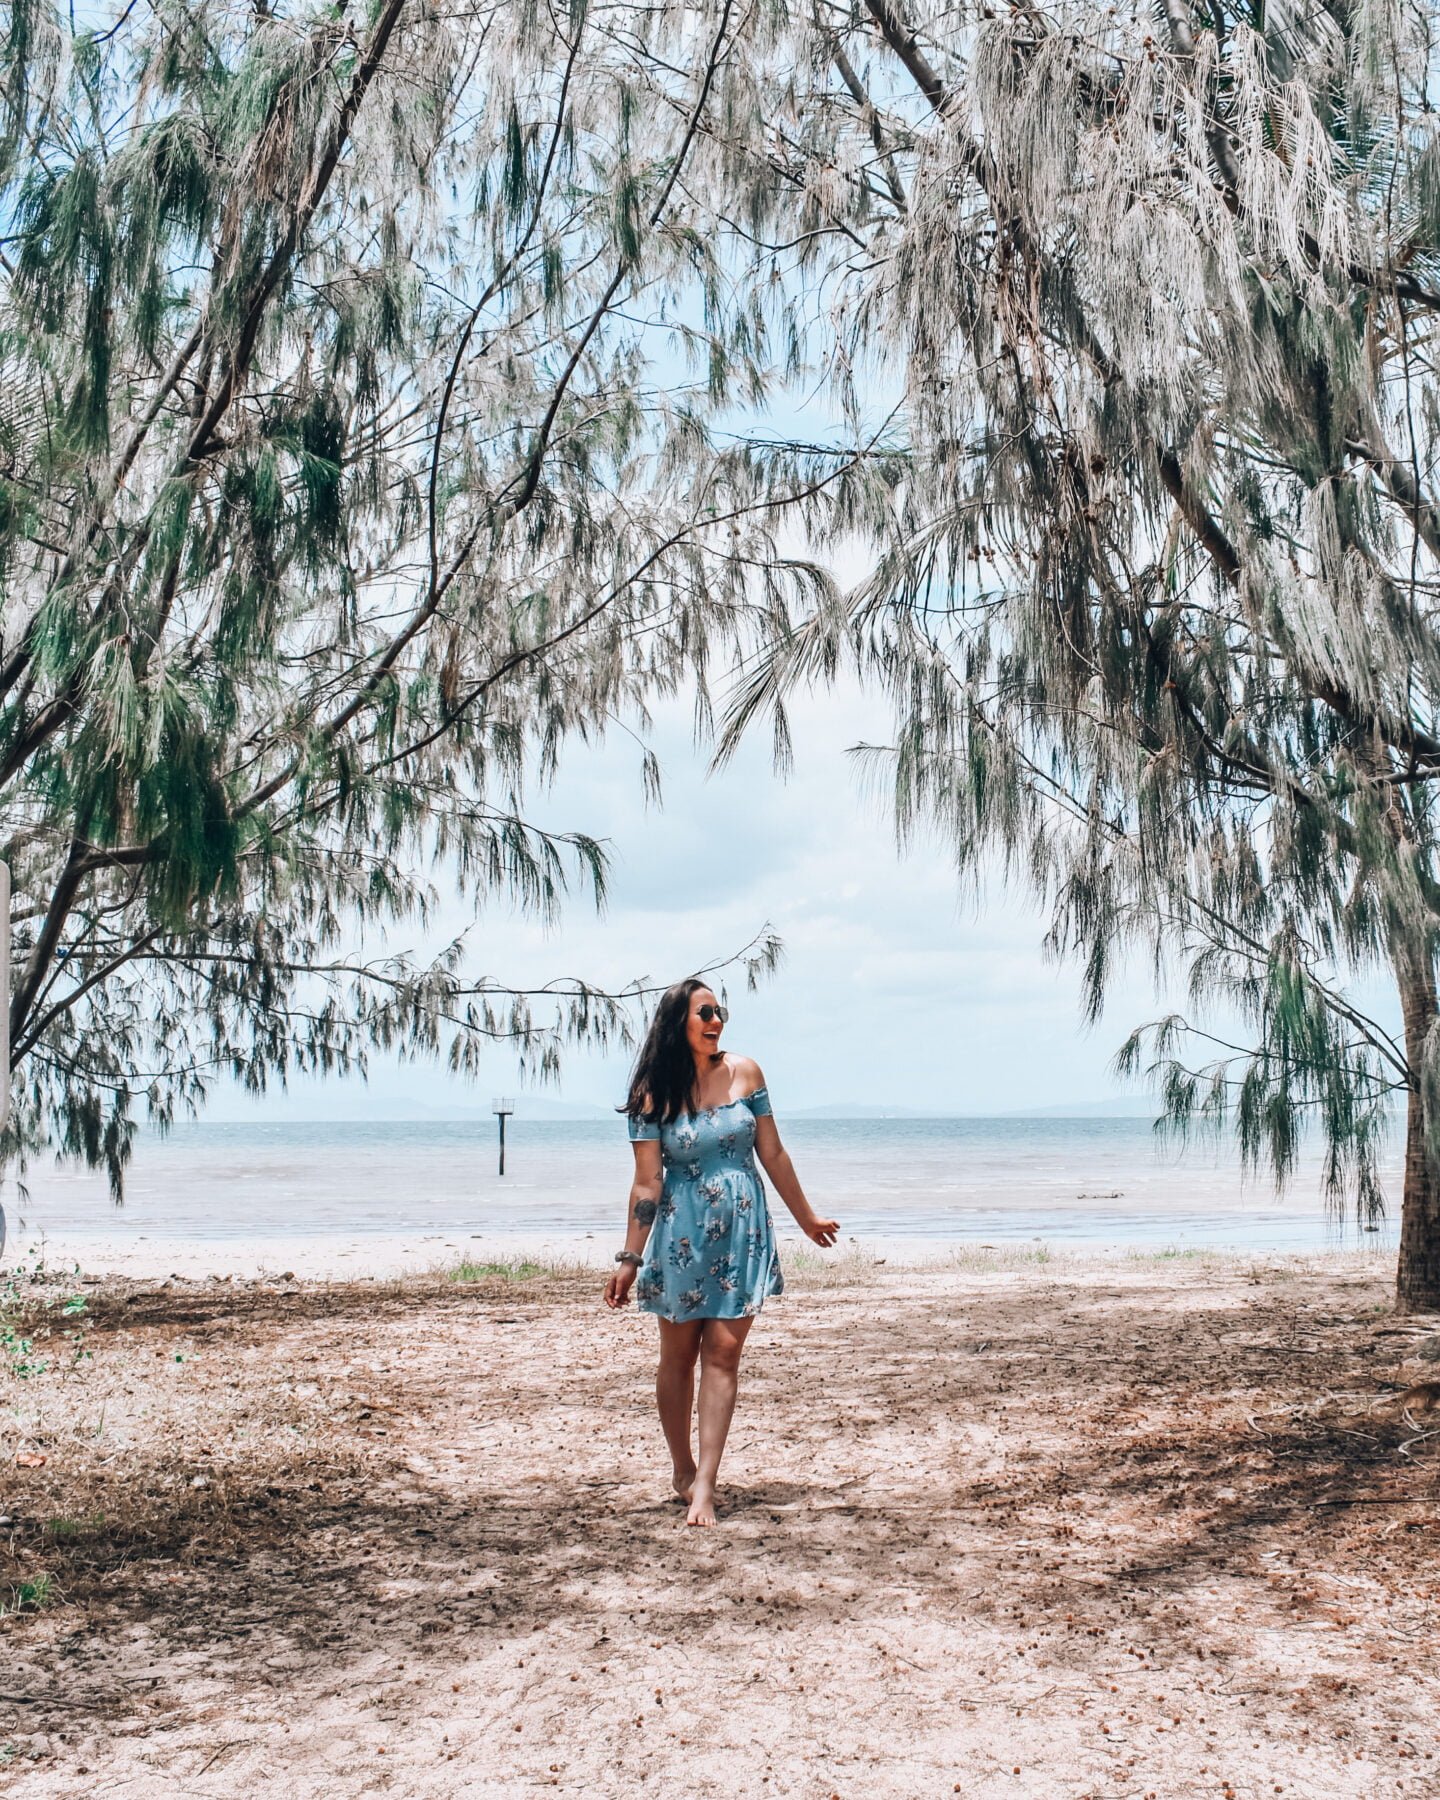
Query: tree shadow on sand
[{"x": 1017, "y": 1453}]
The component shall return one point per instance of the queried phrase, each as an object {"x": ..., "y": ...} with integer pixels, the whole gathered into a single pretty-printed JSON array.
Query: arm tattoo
[{"x": 645, "y": 1211}]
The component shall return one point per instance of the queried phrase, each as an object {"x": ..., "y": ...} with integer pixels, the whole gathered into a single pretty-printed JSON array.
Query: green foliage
[
  {"x": 345, "y": 483},
  {"x": 469, "y": 1270},
  {"x": 74, "y": 1528},
  {"x": 22, "y": 1312},
  {"x": 1155, "y": 576},
  {"x": 33, "y": 1595}
]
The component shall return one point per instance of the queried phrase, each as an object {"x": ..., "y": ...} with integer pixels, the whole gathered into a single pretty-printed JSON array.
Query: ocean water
[{"x": 1078, "y": 1182}]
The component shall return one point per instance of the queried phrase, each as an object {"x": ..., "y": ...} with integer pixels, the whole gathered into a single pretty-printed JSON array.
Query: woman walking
[{"x": 698, "y": 1119}]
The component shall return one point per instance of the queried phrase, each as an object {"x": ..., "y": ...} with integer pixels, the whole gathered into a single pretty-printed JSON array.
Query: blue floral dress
[{"x": 711, "y": 1252}]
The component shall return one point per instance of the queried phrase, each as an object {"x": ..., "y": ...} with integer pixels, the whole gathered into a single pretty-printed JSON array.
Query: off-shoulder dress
[{"x": 711, "y": 1252}]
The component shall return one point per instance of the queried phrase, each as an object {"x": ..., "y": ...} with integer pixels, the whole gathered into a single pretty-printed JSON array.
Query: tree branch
[
  {"x": 56, "y": 914},
  {"x": 902, "y": 40},
  {"x": 509, "y": 504},
  {"x": 64, "y": 1005},
  {"x": 1399, "y": 482},
  {"x": 238, "y": 362}
]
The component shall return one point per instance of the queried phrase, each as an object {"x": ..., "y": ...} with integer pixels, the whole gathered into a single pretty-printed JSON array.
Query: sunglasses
[{"x": 707, "y": 1012}]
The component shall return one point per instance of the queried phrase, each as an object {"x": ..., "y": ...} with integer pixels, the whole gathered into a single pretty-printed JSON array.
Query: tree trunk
[{"x": 1417, "y": 1279}]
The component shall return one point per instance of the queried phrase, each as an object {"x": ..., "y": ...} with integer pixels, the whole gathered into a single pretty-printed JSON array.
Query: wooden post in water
[{"x": 502, "y": 1110}]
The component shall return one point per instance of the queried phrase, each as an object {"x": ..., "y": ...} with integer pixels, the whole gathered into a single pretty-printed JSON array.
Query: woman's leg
[
  {"x": 675, "y": 1394},
  {"x": 720, "y": 1348}
]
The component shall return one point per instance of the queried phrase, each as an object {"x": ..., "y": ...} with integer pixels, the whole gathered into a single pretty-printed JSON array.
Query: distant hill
[
  {"x": 856, "y": 1109},
  {"x": 1126, "y": 1106},
  {"x": 352, "y": 1101},
  {"x": 531, "y": 1106},
  {"x": 349, "y": 1103},
  {"x": 527, "y": 1106}
]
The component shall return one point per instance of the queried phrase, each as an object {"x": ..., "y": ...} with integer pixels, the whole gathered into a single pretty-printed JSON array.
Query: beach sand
[{"x": 1007, "y": 1526}]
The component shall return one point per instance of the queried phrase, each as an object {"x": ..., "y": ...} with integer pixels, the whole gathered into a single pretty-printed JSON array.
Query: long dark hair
[{"x": 663, "y": 1079}]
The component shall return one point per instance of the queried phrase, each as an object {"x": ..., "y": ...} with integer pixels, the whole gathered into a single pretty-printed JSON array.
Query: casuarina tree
[
  {"x": 357, "y": 452},
  {"x": 1157, "y": 292}
]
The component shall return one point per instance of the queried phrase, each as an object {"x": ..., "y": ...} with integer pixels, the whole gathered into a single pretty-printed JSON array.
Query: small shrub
[
  {"x": 30, "y": 1596},
  {"x": 73, "y": 1528},
  {"x": 17, "y": 1346},
  {"x": 468, "y": 1270}
]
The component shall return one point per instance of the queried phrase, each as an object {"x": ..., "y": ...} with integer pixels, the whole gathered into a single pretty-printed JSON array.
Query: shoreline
[{"x": 388, "y": 1256}]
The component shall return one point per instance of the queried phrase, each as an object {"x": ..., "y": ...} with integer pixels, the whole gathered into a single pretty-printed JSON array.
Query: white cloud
[{"x": 891, "y": 989}]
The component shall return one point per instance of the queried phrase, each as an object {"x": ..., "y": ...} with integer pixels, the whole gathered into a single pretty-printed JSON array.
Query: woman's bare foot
[
  {"x": 702, "y": 1506},
  {"x": 683, "y": 1480}
]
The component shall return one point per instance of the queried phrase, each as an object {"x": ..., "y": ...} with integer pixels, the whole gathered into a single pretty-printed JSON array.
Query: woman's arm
[
  {"x": 646, "y": 1186},
  {"x": 775, "y": 1160}
]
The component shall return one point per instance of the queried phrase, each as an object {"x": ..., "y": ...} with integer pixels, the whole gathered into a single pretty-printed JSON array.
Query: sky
[{"x": 892, "y": 991}]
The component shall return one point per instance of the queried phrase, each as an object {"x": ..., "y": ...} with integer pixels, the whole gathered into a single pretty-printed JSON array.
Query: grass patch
[
  {"x": 469, "y": 1270},
  {"x": 1171, "y": 1253},
  {"x": 31, "y": 1596},
  {"x": 855, "y": 1262},
  {"x": 997, "y": 1256},
  {"x": 846, "y": 1263},
  {"x": 535, "y": 1269},
  {"x": 73, "y": 1528}
]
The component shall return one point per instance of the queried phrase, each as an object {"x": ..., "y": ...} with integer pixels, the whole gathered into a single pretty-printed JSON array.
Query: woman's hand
[
  {"x": 617, "y": 1288},
  {"x": 821, "y": 1231}
]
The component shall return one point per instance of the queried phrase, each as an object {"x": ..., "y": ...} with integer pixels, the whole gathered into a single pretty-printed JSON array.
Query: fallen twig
[{"x": 1368, "y": 1500}]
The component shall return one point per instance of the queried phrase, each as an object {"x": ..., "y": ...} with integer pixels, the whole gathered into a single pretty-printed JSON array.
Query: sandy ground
[{"x": 1002, "y": 1528}]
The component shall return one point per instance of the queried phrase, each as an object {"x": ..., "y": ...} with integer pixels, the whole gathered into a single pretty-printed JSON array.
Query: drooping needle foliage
[
  {"x": 1157, "y": 607},
  {"x": 361, "y": 367},
  {"x": 363, "y": 441}
]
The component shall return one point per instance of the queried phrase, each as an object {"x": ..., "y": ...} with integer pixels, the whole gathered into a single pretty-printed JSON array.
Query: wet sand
[{"x": 1006, "y": 1527}]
